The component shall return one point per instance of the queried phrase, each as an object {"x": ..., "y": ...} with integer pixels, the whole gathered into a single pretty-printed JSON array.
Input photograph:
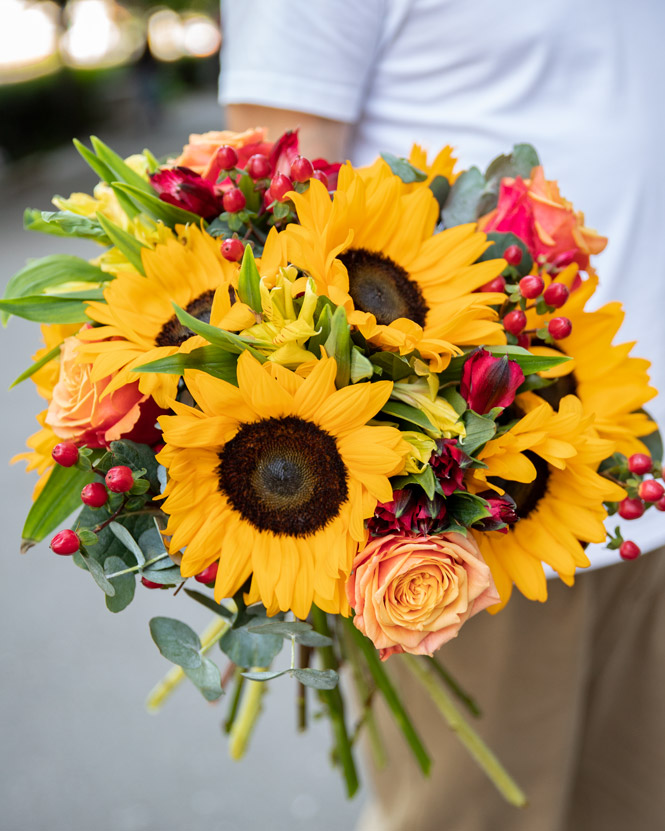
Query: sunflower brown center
[
  {"x": 527, "y": 495},
  {"x": 283, "y": 475},
  {"x": 173, "y": 332},
  {"x": 380, "y": 286}
]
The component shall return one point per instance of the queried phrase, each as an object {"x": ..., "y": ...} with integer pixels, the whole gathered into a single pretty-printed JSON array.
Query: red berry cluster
[{"x": 642, "y": 494}]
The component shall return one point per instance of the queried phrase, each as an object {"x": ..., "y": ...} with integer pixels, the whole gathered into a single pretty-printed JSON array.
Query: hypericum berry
[
  {"x": 208, "y": 574},
  {"x": 631, "y": 508},
  {"x": 322, "y": 177},
  {"x": 233, "y": 249},
  {"x": 559, "y": 327},
  {"x": 234, "y": 200},
  {"x": 640, "y": 463},
  {"x": 650, "y": 490},
  {"x": 65, "y": 543},
  {"x": 531, "y": 286},
  {"x": 280, "y": 185},
  {"x": 556, "y": 294},
  {"x": 514, "y": 322},
  {"x": 629, "y": 550},
  {"x": 94, "y": 495},
  {"x": 660, "y": 505},
  {"x": 258, "y": 166},
  {"x": 149, "y": 584},
  {"x": 301, "y": 169},
  {"x": 120, "y": 479},
  {"x": 513, "y": 255},
  {"x": 65, "y": 454},
  {"x": 497, "y": 284},
  {"x": 524, "y": 340},
  {"x": 227, "y": 157}
]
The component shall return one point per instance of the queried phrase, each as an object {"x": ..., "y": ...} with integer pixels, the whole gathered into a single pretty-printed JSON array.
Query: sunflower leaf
[
  {"x": 403, "y": 168},
  {"x": 249, "y": 281},
  {"x": 218, "y": 362},
  {"x": 207, "y": 679},
  {"x": 124, "y": 242},
  {"x": 59, "y": 498},
  {"x": 176, "y": 641},
  {"x": 64, "y": 224},
  {"x": 217, "y": 337},
  {"x": 124, "y": 585}
]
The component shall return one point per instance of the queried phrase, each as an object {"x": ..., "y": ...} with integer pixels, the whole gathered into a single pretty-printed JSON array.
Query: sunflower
[
  {"x": 547, "y": 462},
  {"x": 274, "y": 478},
  {"x": 608, "y": 382},
  {"x": 138, "y": 321},
  {"x": 372, "y": 249}
]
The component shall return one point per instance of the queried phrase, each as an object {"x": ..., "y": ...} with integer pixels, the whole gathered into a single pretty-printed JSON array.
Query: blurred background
[{"x": 79, "y": 750}]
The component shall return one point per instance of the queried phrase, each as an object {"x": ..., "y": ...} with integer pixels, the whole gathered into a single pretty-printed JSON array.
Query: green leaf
[
  {"x": 219, "y": 228},
  {"x": 37, "y": 365},
  {"x": 250, "y": 649},
  {"x": 170, "y": 576},
  {"x": 97, "y": 573},
  {"x": 462, "y": 203},
  {"x": 124, "y": 242},
  {"x": 48, "y": 272},
  {"x": 135, "y": 456},
  {"x": 127, "y": 540},
  {"x": 323, "y": 325},
  {"x": 87, "y": 536},
  {"x": 384, "y": 684},
  {"x": 284, "y": 628},
  {"x": 152, "y": 545},
  {"x": 403, "y": 168},
  {"x": 209, "y": 603},
  {"x": 313, "y": 639},
  {"x": 504, "y": 239},
  {"x": 653, "y": 441},
  {"x": 105, "y": 174},
  {"x": 60, "y": 497},
  {"x": 264, "y": 676},
  {"x": 176, "y": 641},
  {"x": 252, "y": 196},
  {"x": 120, "y": 170},
  {"x": 467, "y": 508},
  {"x": 64, "y": 224},
  {"x": 318, "y": 679},
  {"x": 207, "y": 678},
  {"x": 338, "y": 346},
  {"x": 124, "y": 585},
  {"x": 405, "y": 412},
  {"x": 529, "y": 363},
  {"x": 170, "y": 215},
  {"x": 218, "y": 362},
  {"x": 440, "y": 187},
  {"x": 218, "y": 337},
  {"x": 452, "y": 396},
  {"x": 392, "y": 366},
  {"x": 479, "y": 430},
  {"x": 249, "y": 281},
  {"x": 426, "y": 480}
]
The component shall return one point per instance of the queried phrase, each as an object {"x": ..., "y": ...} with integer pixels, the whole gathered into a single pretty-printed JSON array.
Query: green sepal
[
  {"x": 124, "y": 242},
  {"x": 249, "y": 281},
  {"x": 59, "y": 498},
  {"x": 217, "y": 337}
]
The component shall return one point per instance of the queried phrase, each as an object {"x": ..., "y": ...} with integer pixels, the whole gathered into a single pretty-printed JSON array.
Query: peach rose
[
  {"x": 412, "y": 594},
  {"x": 534, "y": 210},
  {"x": 202, "y": 147},
  {"x": 79, "y": 414}
]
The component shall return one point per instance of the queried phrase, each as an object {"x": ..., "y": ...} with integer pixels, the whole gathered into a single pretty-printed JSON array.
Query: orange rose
[
  {"x": 79, "y": 414},
  {"x": 534, "y": 210},
  {"x": 202, "y": 147},
  {"x": 412, "y": 594}
]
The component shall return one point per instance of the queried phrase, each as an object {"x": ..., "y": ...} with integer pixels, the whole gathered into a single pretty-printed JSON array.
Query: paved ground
[{"x": 79, "y": 751}]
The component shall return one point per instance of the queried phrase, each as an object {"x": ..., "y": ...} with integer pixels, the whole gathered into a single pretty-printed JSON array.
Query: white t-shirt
[{"x": 581, "y": 80}]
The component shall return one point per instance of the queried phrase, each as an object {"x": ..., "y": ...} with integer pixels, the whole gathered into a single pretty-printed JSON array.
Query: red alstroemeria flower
[
  {"x": 182, "y": 187},
  {"x": 447, "y": 462},
  {"x": 489, "y": 382}
]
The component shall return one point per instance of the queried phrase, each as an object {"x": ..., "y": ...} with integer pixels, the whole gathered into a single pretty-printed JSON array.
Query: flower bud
[{"x": 489, "y": 382}]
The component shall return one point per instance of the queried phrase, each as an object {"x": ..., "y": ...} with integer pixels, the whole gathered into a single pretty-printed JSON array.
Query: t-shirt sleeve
[{"x": 313, "y": 56}]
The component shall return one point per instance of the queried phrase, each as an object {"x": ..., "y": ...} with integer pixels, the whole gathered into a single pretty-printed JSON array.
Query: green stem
[
  {"x": 250, "y": 709},
  {"x": 463, "y": 696},
  {"x": 233, "y": 709},
  {"x": 335, "y": 703},
  {"x": 138, "y": 566},
  {"x": 489, "y": 763}
]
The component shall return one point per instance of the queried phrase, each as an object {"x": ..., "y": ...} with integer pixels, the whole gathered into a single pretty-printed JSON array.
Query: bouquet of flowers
[{"x": 343, "y": 408}]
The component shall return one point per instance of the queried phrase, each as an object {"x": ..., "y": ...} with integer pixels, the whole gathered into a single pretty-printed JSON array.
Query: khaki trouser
[{"x": 573, "y": 701}]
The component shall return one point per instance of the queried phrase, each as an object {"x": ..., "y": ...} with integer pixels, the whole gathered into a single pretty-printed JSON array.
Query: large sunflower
[
  {"x": 608, "y": 382},
  {"x": 274, "y": 478},
  {"x": 372, "y": 249},
  {"x": 138, "y": 321},
  {"x": 547, "y": 462}
]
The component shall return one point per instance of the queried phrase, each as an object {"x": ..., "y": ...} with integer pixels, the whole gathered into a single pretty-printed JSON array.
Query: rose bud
[{"x": 489, "y": 382}]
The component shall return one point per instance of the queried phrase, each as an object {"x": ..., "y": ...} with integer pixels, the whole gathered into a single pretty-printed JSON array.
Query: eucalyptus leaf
[
  {"x": 124, "y": 585},
  {"x": 264, "y": 676},
  {"x": 97, "y": 573},
  {"x": 313, "y": 639},
  {"x": 152, "y": 545},
  {"x": 284, "y": 628},
  {"x": 176, "y": 641},
  {"x": 207, "y": 678},
  {"x": 127, "y": 540},
  {"x": 319, "y": 679},
  {"x": 164, "y": 576},
  {"x": 462, "y": 203},
  {"x": 250, "y": 649},
  {"x": 209, "y": 603},
  {"x": 218, "y": 362},
  {"x": 403, "y": 168},
  {"x": 440, "y": 187}
]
